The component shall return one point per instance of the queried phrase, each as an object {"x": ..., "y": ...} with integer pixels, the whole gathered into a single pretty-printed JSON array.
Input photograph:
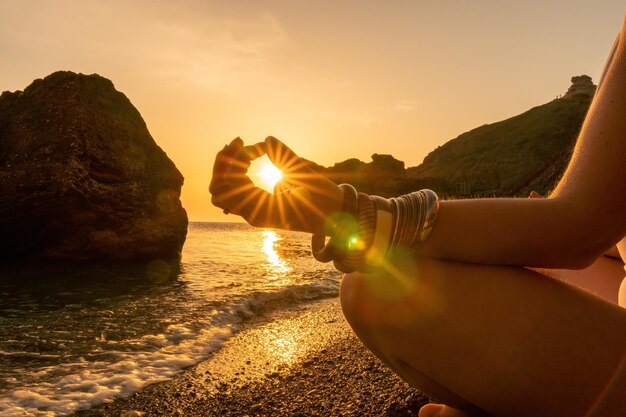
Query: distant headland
[{"x": 527, "y": 152}]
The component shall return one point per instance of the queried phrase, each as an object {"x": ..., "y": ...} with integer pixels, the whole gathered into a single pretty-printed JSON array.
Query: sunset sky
[{"x": 333, "y": 79}]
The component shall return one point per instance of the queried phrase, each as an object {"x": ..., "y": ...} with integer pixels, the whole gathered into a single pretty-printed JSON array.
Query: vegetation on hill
[{"x": 526, "y": 152}]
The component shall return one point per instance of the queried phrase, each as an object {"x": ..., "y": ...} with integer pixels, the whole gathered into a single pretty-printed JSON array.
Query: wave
[{"x": 69, "y": 387}]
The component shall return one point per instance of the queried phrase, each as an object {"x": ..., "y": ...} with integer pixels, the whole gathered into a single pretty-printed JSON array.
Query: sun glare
[{"x": 268, "y": 175}]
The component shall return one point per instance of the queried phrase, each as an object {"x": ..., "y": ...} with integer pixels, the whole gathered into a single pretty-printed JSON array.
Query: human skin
[
  {"x": 491, "y": 339},
  {"x": 461, "y": 316}
]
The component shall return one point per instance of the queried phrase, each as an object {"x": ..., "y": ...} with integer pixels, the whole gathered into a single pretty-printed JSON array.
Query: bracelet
[
  {"x": 402, "y": 221},
  {"x": 415, "y": 215},
  {"x": 383, "y": 225},
  {"x": 360, "y": 243},
  {"x": 432, "y": 208},
  {"x": 343, "y": 228},
  {"x": 382, "y": 233}
]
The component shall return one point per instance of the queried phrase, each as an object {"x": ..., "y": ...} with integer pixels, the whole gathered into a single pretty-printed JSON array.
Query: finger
[
  {"x": 229, "y": 195},
  {"x": 225, "y": 156},
  {"x": 255, "y": 151},
  {"x": 246, "y": 154},
  {"x": 298, "y": 171},
  {"x": 252, "y": 205},
  {"x": 283, "y": 157},
  {"x": 534, "y": 194},
  {"x": 222, "y": 161},
  {"x": 234, "y": 197},
  {"x": 233, "y": 148}
]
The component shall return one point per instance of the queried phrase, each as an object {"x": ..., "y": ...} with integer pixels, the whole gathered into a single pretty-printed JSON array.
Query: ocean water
[{"x": 71, "y": 338}]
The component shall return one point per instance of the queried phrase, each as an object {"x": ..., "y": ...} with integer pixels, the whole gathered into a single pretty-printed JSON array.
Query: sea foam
[
  {"x": 70, "y": 340},
  {"x": 89, "y": 383},
  {"x": 96, "y": 382}
]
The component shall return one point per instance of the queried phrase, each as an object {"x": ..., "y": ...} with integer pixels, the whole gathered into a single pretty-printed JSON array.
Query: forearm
[
  {"x": 583, "y": 217},
  {"x": 525, "y": 232}
]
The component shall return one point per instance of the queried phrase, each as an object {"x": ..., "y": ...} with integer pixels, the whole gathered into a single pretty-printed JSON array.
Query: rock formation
[
  {"x": 514, "y": 156},
  {"x": 582, "y": 88},
  {"x": 507, "y": 158},
  {"x": 81, "y": 178},
  {"x": 382, "y": 176}
]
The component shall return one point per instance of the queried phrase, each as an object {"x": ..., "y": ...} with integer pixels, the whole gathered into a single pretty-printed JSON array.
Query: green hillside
[{"x": 507, "y": 158}]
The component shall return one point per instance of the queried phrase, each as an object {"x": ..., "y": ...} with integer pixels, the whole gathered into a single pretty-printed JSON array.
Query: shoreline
[{"x": 304, "y": 361}]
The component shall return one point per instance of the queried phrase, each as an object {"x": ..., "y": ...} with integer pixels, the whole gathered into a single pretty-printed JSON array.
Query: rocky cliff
[
  {"x": 81, "y": 178},
  {"x": 514, "y": 156},
  {"x": 507, "y": 158}
]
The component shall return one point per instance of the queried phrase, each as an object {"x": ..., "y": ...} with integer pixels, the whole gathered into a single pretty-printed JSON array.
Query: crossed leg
[{"x": 488, "y": 340}]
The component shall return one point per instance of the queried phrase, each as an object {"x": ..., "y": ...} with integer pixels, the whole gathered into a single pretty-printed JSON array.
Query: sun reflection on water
[{"x": 275, "y": 263}]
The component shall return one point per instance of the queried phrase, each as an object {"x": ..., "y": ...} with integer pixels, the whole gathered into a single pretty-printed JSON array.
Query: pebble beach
[{"x": 305, "y": 361}]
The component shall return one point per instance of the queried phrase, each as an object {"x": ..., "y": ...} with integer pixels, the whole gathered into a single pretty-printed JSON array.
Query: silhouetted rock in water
[{"x": 81, "y": 178}]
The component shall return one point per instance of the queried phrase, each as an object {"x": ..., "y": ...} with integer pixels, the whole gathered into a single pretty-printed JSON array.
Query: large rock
[{"x": 81, "y": 178}]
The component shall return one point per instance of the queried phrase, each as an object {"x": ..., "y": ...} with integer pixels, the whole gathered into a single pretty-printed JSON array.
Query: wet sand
[{"x": 304, "y": 361}]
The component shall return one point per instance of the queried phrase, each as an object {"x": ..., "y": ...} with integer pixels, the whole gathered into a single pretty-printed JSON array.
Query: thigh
[
  {"x": 602, "y": 278},
  {"x": 508, "y": 340}
]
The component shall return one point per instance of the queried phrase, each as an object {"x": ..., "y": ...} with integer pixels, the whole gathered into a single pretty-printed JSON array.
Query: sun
[{"x": 267, "y": 175}]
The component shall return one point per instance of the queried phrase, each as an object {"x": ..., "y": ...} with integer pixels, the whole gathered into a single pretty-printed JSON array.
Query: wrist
[{"x": 363, "y": 239}]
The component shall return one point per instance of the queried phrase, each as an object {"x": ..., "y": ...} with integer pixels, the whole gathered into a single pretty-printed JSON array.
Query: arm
[{"x": 583, "y": 217}]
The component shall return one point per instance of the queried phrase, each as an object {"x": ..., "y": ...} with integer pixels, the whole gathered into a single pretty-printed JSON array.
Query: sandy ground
[{"x": 302, "y": 362}]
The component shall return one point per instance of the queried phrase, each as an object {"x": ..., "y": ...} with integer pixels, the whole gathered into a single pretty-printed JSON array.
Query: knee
[
  {"x": 364, "y": 302},
  {"x": 392, "y": 298},
  {"x": 352, "y": 295},
  {"x": 374, "y": 300}
]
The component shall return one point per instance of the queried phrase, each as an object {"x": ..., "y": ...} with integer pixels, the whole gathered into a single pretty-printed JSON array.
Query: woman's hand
[{"x": 301, "y": 201}]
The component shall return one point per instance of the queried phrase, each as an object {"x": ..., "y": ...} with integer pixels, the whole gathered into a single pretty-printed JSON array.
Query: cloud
[
  {"x": 192, "y": 42},
  {"x": 405, "y": 106},
  {"x": 230, "y": 56}
]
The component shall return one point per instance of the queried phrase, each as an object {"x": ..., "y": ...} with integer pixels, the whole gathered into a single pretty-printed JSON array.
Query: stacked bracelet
[
  {"x": 360, "y": 243},
  {"x": 343, "y": 227},
  {"x": 382, "y": 232},
  {"x": 415, "y": 216},
  {"x": 383, "y": 224}
]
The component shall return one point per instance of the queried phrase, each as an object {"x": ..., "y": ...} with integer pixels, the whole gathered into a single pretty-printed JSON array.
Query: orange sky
[{"x": 332, "y": 79}]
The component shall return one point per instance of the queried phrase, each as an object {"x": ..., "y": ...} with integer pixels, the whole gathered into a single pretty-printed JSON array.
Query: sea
[{"x": 74, "y": 337}]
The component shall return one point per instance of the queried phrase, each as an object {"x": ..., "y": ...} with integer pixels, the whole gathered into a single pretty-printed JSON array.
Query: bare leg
[
  {"x": 499, "y": 340},
  {"x": 601, "y": 279}
]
